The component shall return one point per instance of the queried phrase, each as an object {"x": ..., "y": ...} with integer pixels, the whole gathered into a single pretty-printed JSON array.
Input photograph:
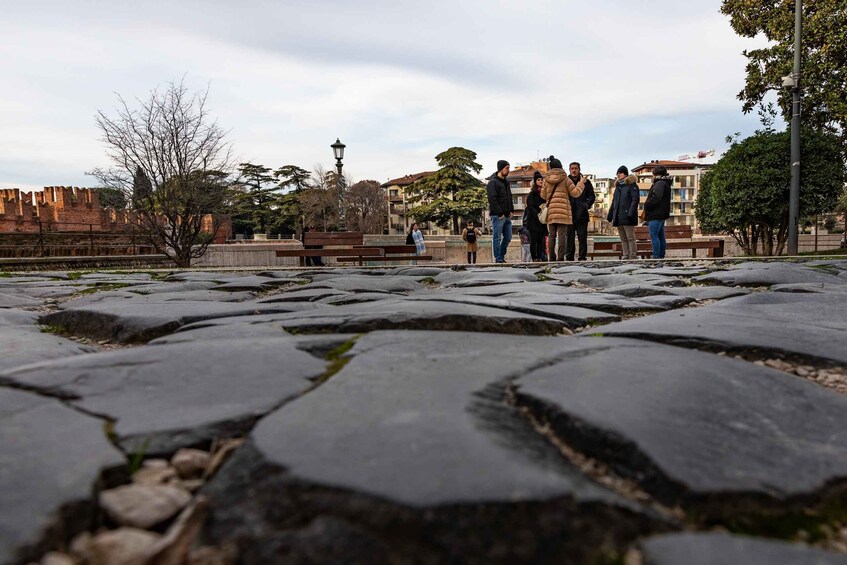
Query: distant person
[
  {"x": 657, "y": 209},
  {"x": 581, "y": 209},
  {"x": 316, "y": 261},
  {"x": 500, "y": 208},
  {"x": 417, "y": 240},
  {"x": 526, "y": 253},
  {"x": 623, "y": 212},
  {"x": 537, "y": 229},
  {"x": 556, "y": 192},
  {"x": 471, "y": 235}
]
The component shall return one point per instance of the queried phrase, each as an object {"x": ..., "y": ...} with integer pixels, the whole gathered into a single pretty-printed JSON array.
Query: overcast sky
[{"x": 606, "y": 82}]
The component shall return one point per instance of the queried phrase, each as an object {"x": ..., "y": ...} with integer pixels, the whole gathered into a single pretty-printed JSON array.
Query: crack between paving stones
[
  {"x": 594, "y": 469},
  {"x": 824, "y": 370}
]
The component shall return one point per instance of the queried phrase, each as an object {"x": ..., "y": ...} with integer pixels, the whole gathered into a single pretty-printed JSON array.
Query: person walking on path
[
  {"x": 526, "y": 254},
  {"x": 471, "y": 235},
  {"x": 500, "y": 208},
  {"x": 580, "y": 208},
  {"x": 537, "y": 229},
  {"x": 657, "y": 209},
  {"x": 623, "y": 213},
  {"x": 556, "y": 192}
]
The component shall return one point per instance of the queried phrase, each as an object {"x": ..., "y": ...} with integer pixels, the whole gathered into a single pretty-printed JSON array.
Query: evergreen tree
[
  {"x": 293, "y": 178},
  {"x": 255, "y": 204},
  {"x": 452, "y": 192},
  {"x": 142, "y": 188}
]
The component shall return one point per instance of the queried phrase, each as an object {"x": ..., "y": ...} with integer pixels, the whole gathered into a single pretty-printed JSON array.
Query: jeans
[
  {"x": 501, "y": 235},
  {"x": 557, "y": 241},
  {"x": 628, "y": 245},
  {"x": 657, "y": 237},
  {"x": 577, "y": 231}
]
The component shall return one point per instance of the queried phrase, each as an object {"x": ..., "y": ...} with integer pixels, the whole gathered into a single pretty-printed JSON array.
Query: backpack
[
  {"x": 471, "y": 236},
  {"x": 410, "y": 239}
]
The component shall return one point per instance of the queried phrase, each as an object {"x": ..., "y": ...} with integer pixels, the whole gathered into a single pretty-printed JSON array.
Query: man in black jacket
[
  {"x": 657, "y": 209},
  {"x": 580, "y": 208},
  {"x": 500, "y": 208}
]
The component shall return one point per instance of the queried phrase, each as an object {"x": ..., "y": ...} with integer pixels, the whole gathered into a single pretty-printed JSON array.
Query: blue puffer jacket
[{"x": 624, "y": 208}]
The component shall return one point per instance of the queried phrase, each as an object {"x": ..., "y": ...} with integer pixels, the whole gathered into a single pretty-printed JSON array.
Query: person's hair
[
  {"x": 575, "y": 163},
  {"x": 413, "y": 226},
  {"x": 660, "y": 171}
]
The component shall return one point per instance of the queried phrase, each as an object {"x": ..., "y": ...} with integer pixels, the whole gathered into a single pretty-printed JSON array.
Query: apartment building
[
  {"x": 686, "y": 185},
  {"x": 399, "y": 207}
]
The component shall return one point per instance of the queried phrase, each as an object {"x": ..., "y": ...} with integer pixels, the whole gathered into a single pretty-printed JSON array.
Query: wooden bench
[
  {"x": 678, "y": 237},
  {"x": 349, "y": 247}
]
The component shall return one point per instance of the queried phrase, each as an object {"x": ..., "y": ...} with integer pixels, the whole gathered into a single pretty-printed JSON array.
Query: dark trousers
[
  {"x": 536, "y": 245},
  {"x": 579, "y": 231},
  {"x": 471, "y": 257}
]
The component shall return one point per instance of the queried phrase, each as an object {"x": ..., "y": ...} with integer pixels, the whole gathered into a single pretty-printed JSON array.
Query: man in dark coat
[
  {"x": 657, "y": 209},
  {"x": 580, "y": 208},
  {"x": 623, "y": 213},
  {"x": 500, "y": 208}
]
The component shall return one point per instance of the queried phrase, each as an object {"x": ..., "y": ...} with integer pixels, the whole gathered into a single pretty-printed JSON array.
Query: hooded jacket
[
  {"x": 658, "y": 203},
  {"x": 533, "y": 208},
  {"x": 624, "y": 208},
  {"x": 499, "y": 196},
  {"x": 559, "y": 206}
]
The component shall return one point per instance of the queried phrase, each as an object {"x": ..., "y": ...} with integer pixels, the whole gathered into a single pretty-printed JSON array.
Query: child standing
[
  {"x": 526, "y": 249},
  {"x": 471, "y": 236}
]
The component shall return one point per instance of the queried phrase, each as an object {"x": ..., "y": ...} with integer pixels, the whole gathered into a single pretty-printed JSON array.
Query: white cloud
[{"x": 397, "y": 81}]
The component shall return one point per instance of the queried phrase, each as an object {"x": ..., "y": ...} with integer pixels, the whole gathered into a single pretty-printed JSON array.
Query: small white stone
[
  {"x": 190, "y": 463},
  {"x": 127, "y": 546},
  {"x": 143, "y": 506}
]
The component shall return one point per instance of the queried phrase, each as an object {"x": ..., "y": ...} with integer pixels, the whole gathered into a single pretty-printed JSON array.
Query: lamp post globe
[{"x": 338, "y": 152}]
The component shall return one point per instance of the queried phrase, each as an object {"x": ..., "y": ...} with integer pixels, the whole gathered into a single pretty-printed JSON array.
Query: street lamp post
[
  {"x": 793, "y": 82},
  {"x": 338, "y": 152}
]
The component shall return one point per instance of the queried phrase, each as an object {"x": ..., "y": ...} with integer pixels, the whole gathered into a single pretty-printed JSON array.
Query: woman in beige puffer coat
[{"x": 559, "y": 215}]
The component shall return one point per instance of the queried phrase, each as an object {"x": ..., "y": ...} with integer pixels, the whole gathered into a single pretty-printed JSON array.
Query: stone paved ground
[{"x": 677, "y": 413}]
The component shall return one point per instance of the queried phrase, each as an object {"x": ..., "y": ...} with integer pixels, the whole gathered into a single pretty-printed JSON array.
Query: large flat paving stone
[
  {"x": 363, "y": 283},
  {"x": 692, "y": 426},
  {"x": 484, "y": 277},
  {"x": 766, "y": 274},
  {"x": 799, "y": 325},
  {"x": 725, "y": 549},
  {"x": 132, "y": 321},
  {"x": 419, "y": 314},
  {"x": 573, "y": 316},
  {"x": 51, "y": 457},
  {"x": 411, "y": 433},
  {"x": 169, "y": 396},
  {"x": 24, "y": 342},
  {"x": 17, "y": 300}
]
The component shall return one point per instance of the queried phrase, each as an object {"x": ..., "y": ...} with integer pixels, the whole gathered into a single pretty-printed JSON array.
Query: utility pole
[{"x": 794, "y": 197}]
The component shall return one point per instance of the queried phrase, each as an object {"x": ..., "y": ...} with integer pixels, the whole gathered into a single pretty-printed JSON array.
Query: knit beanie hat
[
  {"x": 623, "y": 169},
  {"x": 501, "y": 164},
  {"x": 535, "y": 176},
  {"x": 554, "y": 163}
]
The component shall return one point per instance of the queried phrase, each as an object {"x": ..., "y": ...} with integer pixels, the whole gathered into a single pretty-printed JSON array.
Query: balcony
[{"x": 397, "y": 210}]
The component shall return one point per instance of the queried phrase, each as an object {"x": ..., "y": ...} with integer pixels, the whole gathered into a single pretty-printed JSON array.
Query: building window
[{"x": 682, "y": 208}]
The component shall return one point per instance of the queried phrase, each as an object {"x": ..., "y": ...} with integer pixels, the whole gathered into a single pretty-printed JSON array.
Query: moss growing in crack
[
  {"x": 102, "y": 287},
  {"x": 811, "y": 525},
  {"x": 337, "y": 360},
  {"x": 5, "y": 275},
  {"x": 74, "y": 276},
  {"x": 55, "y": 330},
  {"x": 109, "y": 430},
  {"x": 543, "y": 278}
]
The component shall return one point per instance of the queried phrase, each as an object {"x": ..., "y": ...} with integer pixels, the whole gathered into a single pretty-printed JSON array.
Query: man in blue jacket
[{"x": 500, "y": 208}]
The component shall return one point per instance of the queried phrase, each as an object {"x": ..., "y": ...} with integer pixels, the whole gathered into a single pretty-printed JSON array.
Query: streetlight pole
[
  {"x": 338, "y": 152},
  {"x": 794, "y": 197}
]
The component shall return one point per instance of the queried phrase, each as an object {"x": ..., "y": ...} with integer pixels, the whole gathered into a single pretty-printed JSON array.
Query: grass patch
[
  {"x": 337, "y": 360},
  {"x": 5, "y": 275},
  {"x": 136, "y": 457},
  {"x": 75, "y": 276},
  {"x": 55, "y": 330},
  {"x": 828, "y": 253}
]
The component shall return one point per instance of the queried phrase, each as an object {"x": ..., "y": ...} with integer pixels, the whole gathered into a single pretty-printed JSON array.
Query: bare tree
[
  {"x": 319, "y": 202},
  {"x": 366, "y": 207},
  {"x": 170, "y": 145}
]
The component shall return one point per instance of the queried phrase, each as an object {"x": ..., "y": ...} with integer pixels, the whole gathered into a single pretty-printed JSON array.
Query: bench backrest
[
  {"x": 333, "y": 238},
  {"x": 671, "y": 232}
]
